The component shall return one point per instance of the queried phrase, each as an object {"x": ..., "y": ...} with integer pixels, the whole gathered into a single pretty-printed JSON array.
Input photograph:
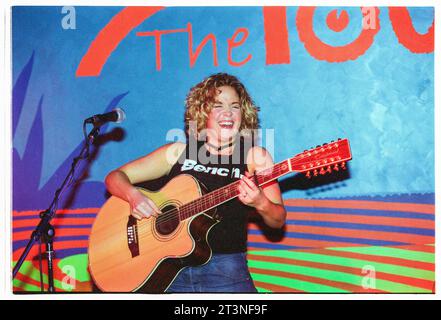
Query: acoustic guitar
[{"x": 129, "y": 255}]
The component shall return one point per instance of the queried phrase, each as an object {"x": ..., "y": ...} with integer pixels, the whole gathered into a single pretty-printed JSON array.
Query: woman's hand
[
  {"x": 250, "y": 194},
  {"x": 267, "y": 202},
  {"x": 141, "y": 206}
]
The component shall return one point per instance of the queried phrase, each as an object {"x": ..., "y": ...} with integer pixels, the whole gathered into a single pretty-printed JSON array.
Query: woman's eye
[
  {"x": 217, "y": 106},
  {"x": 236, "y": 106}
]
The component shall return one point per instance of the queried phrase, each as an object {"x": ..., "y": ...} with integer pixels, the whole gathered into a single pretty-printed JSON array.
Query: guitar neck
[
  {"x": 230, "y": 191},
  {"x": 316, "y": 161}
]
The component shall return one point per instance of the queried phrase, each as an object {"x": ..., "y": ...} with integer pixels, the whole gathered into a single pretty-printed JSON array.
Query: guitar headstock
[{"x": 323, "y": 159}]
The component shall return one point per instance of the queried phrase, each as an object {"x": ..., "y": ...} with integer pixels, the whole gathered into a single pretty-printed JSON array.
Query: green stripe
[
  {"x": 349, "y": 262},
  {"x": 80, "y": 263},
  {"x": 356, "y": 280},
  {"x": 25, "y": 286},
  {"x": 391, "y": 252},
  {"x": 296, "y": 284},
  {"x": 263, "y": 290},
  {"x": 27, "y": 269}
]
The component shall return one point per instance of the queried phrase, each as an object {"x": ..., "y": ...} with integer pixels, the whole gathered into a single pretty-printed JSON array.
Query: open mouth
[{"x": 226, "y": 124}]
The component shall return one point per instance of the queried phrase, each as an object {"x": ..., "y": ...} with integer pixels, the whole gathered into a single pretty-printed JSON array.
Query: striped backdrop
[{"x": 376, "y": 245}]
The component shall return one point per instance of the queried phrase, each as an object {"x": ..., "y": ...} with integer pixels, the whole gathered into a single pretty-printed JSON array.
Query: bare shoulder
[
  {"x": 258, "y": 158},
  {"x": 179, "y": 146},
  {"x": 175, "y": 148},
  {"x": 170, "y": 152}
]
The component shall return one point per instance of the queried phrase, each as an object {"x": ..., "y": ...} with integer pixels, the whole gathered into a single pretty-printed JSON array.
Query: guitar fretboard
[{"x": 230, "y": 191}]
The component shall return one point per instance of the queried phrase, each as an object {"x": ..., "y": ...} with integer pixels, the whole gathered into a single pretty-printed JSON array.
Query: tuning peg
[
  {"x": 343, "y": 165},
  {"x": 322, "y": 171},
  {"x": 308, "y": 174},
  {"x": 336, "y": 168},
  {"x": 328, "y": 169},
  {"x": 315, "y": 172}
]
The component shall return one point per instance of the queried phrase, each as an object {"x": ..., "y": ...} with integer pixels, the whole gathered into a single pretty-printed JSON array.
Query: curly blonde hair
[{"x": 201, "y": 98}]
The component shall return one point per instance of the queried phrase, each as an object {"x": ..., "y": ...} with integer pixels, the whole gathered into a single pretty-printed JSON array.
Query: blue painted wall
[{"x": 383, "y": 101}]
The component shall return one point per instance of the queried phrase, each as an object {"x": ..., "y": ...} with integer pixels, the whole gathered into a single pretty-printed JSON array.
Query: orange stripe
[
  {"x": 360, "y": 234},
  {"x": 80, "y": 210},
  {"x": 420, "y": 283},
  {"x": 387, "y": 221},
  {"x": 335, "y": 284},
  {"x": 64, "y": 211},
  {"x": 87, "y": 223},
  {"x": 56, "y": 222},
  {"x": 359, "y": 204},
  {"x": 24, "y": 235}
]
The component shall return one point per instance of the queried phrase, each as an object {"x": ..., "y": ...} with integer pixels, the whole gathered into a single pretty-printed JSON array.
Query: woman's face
[{"x": 225, "y": 117}]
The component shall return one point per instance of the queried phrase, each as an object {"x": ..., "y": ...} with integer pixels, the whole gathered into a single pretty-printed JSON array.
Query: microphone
[{"x": 116, "y": 115}]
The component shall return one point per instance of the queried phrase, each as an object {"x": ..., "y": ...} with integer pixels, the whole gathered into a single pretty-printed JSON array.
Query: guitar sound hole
[{"x": 168, "y": 221}]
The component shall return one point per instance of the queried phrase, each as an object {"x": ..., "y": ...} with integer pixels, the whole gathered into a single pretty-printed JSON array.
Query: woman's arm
[
  {"x": 120, "y": 182},
  {"x": 267, "y": 200}
]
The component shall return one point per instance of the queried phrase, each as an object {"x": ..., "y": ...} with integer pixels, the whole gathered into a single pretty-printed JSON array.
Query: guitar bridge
[{"x": 132, "y": 236}]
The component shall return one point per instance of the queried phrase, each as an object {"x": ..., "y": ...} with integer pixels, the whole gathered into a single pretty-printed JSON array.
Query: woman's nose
[{"x": 228, "y": 111}]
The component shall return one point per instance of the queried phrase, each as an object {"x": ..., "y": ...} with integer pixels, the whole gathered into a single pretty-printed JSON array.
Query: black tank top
[{"x": 215, "y": 171}]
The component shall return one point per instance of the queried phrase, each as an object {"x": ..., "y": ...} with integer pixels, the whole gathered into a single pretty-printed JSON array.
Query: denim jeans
[{"x": 223, "y": 273}]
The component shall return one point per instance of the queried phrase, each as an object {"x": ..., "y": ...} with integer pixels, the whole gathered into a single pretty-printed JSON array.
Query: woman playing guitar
[{"x": 219, "y": 116}]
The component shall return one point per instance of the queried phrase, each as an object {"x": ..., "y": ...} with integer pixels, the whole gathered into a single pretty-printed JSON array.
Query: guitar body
[{"x": 127, "y": 255}]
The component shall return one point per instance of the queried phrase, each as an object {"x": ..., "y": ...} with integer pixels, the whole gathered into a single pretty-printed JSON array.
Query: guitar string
[
  {"x": 195, "y": 206},
  {"x": 212, "y": 197},
  {"x": 208, "y": 199}
]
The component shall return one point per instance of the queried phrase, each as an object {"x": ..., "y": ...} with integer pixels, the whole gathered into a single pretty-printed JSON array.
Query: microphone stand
[{"x": 44, "y": 229}]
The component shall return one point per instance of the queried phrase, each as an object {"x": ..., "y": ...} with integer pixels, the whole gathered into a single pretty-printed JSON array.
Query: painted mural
[{"x": 317, "y": 74}]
